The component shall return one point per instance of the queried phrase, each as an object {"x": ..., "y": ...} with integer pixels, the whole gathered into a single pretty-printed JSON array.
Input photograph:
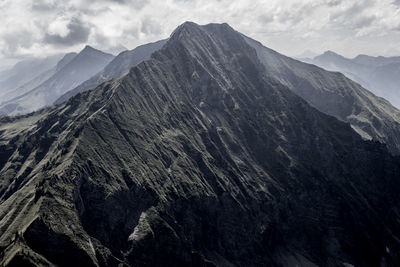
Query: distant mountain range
[
  {"x": 57, "y": 84},
  {"x": 25, "y": 73},
  {"x": 118, "y": 66},
  {"x": 212, "y": 152},
  {"x": 307, "y": 54},
  {"x": 332, "y": 93},
  {"x": 380, "y": 75},
  {"x": 72, "y": 70}
]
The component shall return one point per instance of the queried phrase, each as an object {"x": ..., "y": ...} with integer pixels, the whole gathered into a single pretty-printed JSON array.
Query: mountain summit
[{"x": 195, "y": 157}]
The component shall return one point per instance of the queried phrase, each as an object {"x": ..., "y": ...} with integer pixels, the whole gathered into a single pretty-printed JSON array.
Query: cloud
[
  {"x": 396, "y": 2},
  {"x": 12, "y": 42},
  {"x": 75, "y": 32},
  {"x": 334, "y": 2},
  {"x": 44, "y": 5},
  {"x": 150, "y": 26},
  {"x": 35, "y": 27},
  {"x": 136, "y": 4}
]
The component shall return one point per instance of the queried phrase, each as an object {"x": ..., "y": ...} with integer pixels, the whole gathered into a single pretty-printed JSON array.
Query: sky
[{"x": 349, "y": 27}]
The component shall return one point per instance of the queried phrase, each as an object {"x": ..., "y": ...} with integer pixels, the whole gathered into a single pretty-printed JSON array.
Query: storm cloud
[{"x": 350, "y": 27}]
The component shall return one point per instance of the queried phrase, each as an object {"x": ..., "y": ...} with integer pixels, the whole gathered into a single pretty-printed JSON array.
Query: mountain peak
[
  {"x": 88, "y": 52},
  {"x": 330, "y": 56},
  {"x": 331, "y": 53},
  {"x": 191, "y": 28},
  {"x": 201, "y": 42},
  {"x": 362, "y": 56},
  {"x": 91, "y": 51},
  {"x": 187, "y": 26},
  {"x": 89, "y": 48}
]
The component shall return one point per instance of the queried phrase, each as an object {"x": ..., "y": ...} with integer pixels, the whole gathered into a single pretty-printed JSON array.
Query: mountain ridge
[
  {"x": 377, "y": 74},
  {"x": 22, "y": 73},
  {"x": 334, "y": 94},
  {"x": 73, "y": 69},
  {"x": 120, "y": 64},
  {"x": 200, "y": 158}
]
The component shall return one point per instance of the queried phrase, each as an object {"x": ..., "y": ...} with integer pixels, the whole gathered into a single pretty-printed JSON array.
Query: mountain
[
  {"x": 195, "y": 157},
  {"x": 380, "y": 74},
  {"x": 115, "y": 50},
  {"x": 377, "y": 61},
  {"x": 336, "y": 95},
  {"x": 335, "y": 62},
  {"x": 23, "y": 72},
  {"x": 307, "y": 54},
  {"x": 38, "y": 80},
  {"x": 66, "y": 60},
  {"x": 118, "y": 66},
  {"x": 70, "y": 72}
]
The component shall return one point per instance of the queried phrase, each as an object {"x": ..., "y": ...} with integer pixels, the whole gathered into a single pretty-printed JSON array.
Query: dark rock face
[
  {"x": 196, "y": 157},
  {"x": 118, "y": 66}
]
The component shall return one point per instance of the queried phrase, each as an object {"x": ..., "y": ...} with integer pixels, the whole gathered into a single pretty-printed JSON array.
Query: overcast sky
[{"x": 349, "y": 27}]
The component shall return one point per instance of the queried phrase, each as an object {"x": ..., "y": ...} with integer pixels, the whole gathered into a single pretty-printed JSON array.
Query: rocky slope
[
  {"x": 334, "y": 94},
  {"x": 195, "y": 157},
  {"x": 70, "y": 72},
  {"x": 118, "y": 66}
]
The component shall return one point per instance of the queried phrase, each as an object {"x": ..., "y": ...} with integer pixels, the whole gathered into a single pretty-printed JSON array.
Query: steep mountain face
[
  {"x": 11, "y": 81},
  {"x": 195, "y": 157},
  {"x": 334, "y": 94},
  {"x": 70, "y": 72},
  {"x": 118, "y": 66},
  {"x": 380, "y": 75}
]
